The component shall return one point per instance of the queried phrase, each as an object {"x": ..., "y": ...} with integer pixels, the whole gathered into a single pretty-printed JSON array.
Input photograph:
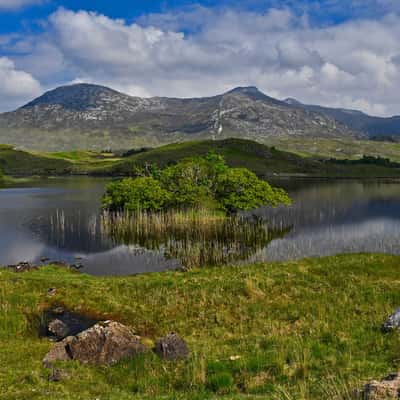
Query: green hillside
[
  {"x": 18, "y": 162},
  {"x": 261, "y": 159}
]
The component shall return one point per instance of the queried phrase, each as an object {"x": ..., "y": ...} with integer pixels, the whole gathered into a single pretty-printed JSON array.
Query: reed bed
[{"x": 194, "y": 237}]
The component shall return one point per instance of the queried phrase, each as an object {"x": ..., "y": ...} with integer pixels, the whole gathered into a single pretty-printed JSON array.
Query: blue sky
[
  {"x": 342, "y": 53},
  {"x": 25, "y": 15}
]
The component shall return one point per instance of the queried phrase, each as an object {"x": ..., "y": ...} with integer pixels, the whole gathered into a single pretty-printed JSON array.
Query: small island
[{"x": 193, "y": 183}]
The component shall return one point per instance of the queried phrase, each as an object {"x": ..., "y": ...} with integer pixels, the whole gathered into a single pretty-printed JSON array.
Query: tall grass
[{"x": 195, "y": 237}]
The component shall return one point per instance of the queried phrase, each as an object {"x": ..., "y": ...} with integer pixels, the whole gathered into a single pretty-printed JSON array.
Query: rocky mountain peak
[{"x": 77, "y": 97}]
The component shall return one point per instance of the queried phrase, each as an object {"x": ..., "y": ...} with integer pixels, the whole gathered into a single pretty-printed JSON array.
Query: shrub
[
  {"x": 143, "y": 193},
  {"x": 200, "y": 182},
  {"x": 241, "y": 189}
]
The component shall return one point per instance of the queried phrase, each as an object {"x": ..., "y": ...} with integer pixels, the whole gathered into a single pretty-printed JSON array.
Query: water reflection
[
  {"x": 195, "y": 238},
  {"x": 60, "y": 219}
]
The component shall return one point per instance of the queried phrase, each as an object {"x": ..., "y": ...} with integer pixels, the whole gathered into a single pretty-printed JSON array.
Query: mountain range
[
  {"x": 86, "y": 116},
  {"x": 374, "y": 127}
]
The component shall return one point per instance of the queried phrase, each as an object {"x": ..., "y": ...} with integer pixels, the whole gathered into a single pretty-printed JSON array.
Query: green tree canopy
[
  {"x": 191, "y": 183},
  {"x": 241, "y": 189},
  {"x": 144, "y": 193}
]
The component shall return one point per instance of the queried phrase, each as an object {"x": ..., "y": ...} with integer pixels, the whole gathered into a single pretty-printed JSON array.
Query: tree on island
[{"x": 196, "y": 182}]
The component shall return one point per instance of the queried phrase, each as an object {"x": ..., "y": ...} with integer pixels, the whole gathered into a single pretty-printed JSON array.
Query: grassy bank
[{"x": 300, "y": 330}]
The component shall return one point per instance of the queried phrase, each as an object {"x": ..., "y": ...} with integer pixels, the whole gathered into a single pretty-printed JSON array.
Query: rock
[
  {"x": 172, "y": 347},
  {"x": 58, "y": 311},
  {"x": 26, "y": 266},
  {"x": 103, "y": 343},
  {"x": 393, "y": 322},
  {"x": 58, "y": 329},
  {"x": 60, "y": 323},
  {"x": 23, "y": 267},
  {"x": 58, "y": 353},
  {"x": 387, "y": 389}
]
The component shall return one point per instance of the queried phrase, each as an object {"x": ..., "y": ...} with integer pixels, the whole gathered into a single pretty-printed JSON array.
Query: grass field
[
  {"x": 262, "y": 159},
  {"x": 302, "y": 330}
]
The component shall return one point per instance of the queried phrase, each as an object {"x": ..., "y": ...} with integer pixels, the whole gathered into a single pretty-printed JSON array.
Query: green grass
[
  {"x": 337, "y": 148},
  {"x": 262, "y": 159},
  {"x": 18, "y": 162},
  {"x": 299, "y": 330}
]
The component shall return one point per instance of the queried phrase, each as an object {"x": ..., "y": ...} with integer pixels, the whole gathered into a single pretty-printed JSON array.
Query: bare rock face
[
  {"x": 393, "y": 322},
  {"x": 387, "y": 389},
  {"x": 172, "y": 347},
  {"x": 104, "y": 343}
]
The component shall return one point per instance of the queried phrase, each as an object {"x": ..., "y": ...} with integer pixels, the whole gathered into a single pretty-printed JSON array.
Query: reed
[{"x": 196, "y": 237}]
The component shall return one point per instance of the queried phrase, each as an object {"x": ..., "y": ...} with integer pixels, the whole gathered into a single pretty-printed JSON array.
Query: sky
[{"x": 339, "y": 53}]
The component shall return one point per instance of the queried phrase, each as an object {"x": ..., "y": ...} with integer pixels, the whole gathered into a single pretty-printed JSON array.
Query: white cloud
[
  {"x": 16, "y": 4},
  {"x": 352, "y": 64},
  {"x": 15, "y": 86}
]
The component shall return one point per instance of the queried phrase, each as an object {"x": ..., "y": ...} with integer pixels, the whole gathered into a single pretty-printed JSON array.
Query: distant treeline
[{"x": 370, "y": 160}]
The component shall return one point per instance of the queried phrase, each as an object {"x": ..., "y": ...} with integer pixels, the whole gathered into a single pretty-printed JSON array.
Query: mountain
[
  {"x": 96, "y": 117},
  {"x": 374, "y": 127}
]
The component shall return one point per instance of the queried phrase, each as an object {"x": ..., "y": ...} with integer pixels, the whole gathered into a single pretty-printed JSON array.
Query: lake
[{"x": 59, "y": 219}]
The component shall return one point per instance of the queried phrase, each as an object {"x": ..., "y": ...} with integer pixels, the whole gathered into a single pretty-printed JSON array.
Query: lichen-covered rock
[
  {"x": 58, "y": 329},
  {"x": 104, "y": 343},
  {"x": 393, "y": 322},
  {"x": 387, "y": 389},
  {"x": 172, "y": 347},
  {"x": 59, "y": 352}
]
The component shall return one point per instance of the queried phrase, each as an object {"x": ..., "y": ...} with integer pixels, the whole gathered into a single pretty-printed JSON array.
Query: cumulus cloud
[
  {"x": 206, "y": 51},
  {"x": 16, "y": 4},
  {"x": 15, "y": 86}
]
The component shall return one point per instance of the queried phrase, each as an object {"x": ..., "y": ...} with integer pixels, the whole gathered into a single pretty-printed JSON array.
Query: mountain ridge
[
  {"x": 90, "y": 116},
  {"x": 373, "y": 126}
]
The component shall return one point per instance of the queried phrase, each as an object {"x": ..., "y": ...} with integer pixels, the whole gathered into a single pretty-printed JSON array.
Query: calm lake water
[{"x": 59, "y": 219}]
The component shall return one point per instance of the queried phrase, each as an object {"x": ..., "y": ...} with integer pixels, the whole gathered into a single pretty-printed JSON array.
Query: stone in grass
[
  {"x": 393, "y": 322},
  {"x": 172, "y": 347},
  {"x": 58, "y": 329},
  {"x": 59, "y": 352},
  {"x": 104, "y": 343},
  {"x": 387, "y": 389}
]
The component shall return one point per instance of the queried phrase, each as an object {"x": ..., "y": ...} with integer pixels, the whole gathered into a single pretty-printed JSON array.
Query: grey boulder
[
  {"x": 388, "y": 388},
  {"x": 104, "y": 343},
  {"x": 172, "y": 347},
  {"x": 393, "y": 322}
]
